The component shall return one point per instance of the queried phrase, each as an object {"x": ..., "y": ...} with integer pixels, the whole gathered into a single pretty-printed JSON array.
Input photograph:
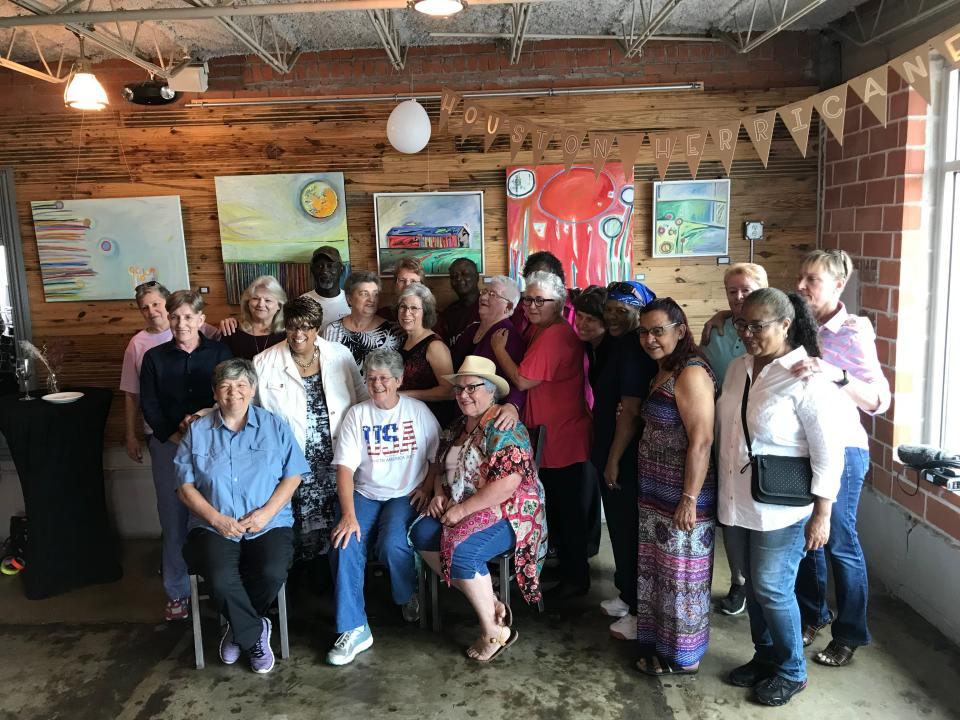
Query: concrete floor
[{"x": 100, "y": 653}]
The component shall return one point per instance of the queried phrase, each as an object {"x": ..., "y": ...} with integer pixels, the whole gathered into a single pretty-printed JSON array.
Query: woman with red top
[
  {"x": 426, "y": 358},
  {"x": 552, "y": 374}
]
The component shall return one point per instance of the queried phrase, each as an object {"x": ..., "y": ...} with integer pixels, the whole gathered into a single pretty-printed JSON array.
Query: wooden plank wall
[{"x": 180, "y": 151}]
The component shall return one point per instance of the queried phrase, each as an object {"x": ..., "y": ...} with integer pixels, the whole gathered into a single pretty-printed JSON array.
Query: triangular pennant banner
[
  {"x": 796, "y": 117},
  {"x": 629, "y": 147},
  {"x": 519, "y": 128},
  {"x": 948, "y": 45},
  {"x": 472, "y": 115},
  {"x": 448, "y": 103},
  {"x": 760, "y": 129},
  {"x": 690, "y": 144},
  {"x": 914, "y": 67},
  {"x": 570, "y": 142},
  {"x": 662, "y": 144},
  {"x": 725, "y": 137},
  {"x": 601, "y": 145},
  {"x": 871, "y": 87},
  {"x": 540, "y": 137},
  {"x": 831, "y": 105},
  {"x": 493, "y": 125}
]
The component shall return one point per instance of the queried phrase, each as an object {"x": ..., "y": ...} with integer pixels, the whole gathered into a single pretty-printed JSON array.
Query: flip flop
[
  {"x": 504, "y": 644},
  {"x": 666, "y": 667},
  {"x": 507, "y": 615}
]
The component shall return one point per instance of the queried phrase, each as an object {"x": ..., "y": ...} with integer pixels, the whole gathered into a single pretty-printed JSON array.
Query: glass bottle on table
[{"x": 23, "y": 370}]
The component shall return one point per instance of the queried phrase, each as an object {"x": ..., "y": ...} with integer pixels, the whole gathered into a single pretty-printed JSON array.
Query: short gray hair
[
  {"x": 426, "y": 297},
  {"x": 360, "y": 276},
  {"x": 384, "y": 359},
  {"x": 234, "y": 369},
  {"x": 511, "y": 291},
  {"x": 548, "y": 282},
  {"x": 185, "y": 297},
  {"x": 151, "y": 286}
]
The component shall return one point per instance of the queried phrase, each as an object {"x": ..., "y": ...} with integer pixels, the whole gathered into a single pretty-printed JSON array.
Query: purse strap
[{"x": 743, "y": 422}]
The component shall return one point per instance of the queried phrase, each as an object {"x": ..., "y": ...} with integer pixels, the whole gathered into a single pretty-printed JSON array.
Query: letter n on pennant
[
  {"x": 914, "y": 67},
  {"x": 601, "y": 144}
]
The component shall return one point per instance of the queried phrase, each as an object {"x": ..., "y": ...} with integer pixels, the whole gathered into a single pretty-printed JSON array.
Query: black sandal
[
  {"x": 810, "y": 631},
  {"x": 667, "y": 667},
  {"x": 835, "y": 654}
]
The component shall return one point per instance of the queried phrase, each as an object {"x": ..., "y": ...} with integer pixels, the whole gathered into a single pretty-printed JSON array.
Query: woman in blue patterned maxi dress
[{"x": 677, "y": 498}]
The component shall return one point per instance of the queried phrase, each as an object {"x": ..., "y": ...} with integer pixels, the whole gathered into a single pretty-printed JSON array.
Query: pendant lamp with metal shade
[
  {"x": 438, "y": 8},
  {"x": 84, "y": 91}
]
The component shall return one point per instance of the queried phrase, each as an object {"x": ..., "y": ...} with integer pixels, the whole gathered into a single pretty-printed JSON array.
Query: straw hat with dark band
[{"x": 481, "y": 367}]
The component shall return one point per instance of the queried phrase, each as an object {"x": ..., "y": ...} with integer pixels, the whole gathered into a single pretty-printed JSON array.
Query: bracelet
[{"x": 688, "y": 495}]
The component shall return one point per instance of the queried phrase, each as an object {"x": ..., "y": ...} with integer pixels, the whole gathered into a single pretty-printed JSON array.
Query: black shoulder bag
[{"x": 776, "y": 479}]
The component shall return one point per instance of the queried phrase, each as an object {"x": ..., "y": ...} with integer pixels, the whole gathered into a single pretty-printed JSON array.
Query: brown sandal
[
  {"x": 836, "y": 654},
  {"x": 512, "y": 636},
  {"x": 810, "y": 631}
]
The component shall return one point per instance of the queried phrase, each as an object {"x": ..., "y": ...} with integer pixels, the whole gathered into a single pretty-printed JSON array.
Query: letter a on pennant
[
  {"x": 760, "y": 129},
  {"x": 448, "y": 103},
  {"x": 914, "y": 67},
  {"x": 725, "y": 137},
  {"x": 832, "y": 106},
  {"x": 601, "y": 144},
  {"x": 797, "y": 119},
  {"x": 871, "y": 87},
  {"x": 663, "y": 144}
]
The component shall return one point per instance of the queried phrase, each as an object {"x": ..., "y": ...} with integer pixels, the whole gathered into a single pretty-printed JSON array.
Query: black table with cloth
[{"x": 58, "y": 453}]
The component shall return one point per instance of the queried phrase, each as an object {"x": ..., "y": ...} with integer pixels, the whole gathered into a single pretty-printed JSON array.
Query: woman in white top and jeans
[{"x": 786, "y": 415}]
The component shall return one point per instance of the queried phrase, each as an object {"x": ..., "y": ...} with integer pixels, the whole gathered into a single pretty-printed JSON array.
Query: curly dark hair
[
  {"x": 544, "y": 260},
  {"x": 686, "y": 348},
  {"x": 302, "y": 312},
  {"x": 591, "y": 301}
]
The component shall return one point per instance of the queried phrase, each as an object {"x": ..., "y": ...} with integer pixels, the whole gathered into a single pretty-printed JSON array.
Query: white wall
[{"x": 915, "y": 562}]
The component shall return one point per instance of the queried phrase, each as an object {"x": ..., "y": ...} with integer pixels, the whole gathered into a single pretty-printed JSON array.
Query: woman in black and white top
[
  {"x": 363, "y": 330},
  {"x": 788, "y": 416}
]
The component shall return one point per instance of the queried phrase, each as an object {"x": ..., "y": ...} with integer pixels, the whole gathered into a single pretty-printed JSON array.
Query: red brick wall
[
  {"x": 789, "y": 60},
  {"x": 872, "y": 208}
]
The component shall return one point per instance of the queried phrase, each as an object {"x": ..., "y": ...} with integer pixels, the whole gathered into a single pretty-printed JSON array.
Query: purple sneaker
[
  {"x": 261, "y": 655},
  {"x": 229, "y": 650}
]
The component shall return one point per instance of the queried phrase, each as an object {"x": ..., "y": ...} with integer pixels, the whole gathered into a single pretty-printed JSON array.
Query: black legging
[{"x": 567, "y": 521}]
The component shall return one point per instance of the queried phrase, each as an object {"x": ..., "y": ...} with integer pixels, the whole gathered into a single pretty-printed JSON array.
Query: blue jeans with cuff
[
  {"x": 391, "y": 518},
  {"x": 470, "y": 557},
  {"x": 846, "y": 557}
]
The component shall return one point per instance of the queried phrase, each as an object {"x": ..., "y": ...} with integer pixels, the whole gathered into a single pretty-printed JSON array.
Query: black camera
[{"x": 932, "y": 464}]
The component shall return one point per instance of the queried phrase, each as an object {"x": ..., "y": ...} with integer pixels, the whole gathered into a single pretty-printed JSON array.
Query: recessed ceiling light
[{"x": 438, "y": 8}]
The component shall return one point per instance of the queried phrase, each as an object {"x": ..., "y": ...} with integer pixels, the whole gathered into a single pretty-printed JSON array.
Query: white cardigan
[{"x": 281, "y": 391}]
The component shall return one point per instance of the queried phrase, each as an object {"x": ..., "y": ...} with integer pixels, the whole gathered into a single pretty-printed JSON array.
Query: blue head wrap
[{"x": 630, "y": 292}]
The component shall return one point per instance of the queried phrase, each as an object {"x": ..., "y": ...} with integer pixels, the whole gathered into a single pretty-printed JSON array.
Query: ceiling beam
[
  {"x": 382, "y": 21},
  {"x": 634, "y": 42},
  {"x": 744, "y": 38},
  {"x": 519, "y": 16},
  {"x": 209, "y": 13},
  {"x": 873, "y": 22}
]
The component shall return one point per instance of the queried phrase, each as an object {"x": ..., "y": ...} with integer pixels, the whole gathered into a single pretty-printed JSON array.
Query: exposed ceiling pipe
[
  {"x": 548, "y": 36},
  {"x": 538, "y": 92},
  {"x": 209, "y": 13}
]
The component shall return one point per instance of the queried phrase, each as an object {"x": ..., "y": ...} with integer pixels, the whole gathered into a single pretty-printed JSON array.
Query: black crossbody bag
[{"x": 776, "y": 479}]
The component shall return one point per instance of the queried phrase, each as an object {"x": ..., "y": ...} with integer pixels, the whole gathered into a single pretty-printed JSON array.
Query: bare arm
[
  {"x": 507, "y": 364},
  {"x": 490, "y": 495},
  {"x": 714, "y": 323},
  {"x": 628, "y": 423},
  {"x": 131, "y": 411},
  {"x": 348, "y": 524},
  {"x": 694, "y": 392}
]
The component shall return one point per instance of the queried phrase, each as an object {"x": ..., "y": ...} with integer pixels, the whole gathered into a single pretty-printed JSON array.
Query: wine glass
[{"x": 23, "y": 371}]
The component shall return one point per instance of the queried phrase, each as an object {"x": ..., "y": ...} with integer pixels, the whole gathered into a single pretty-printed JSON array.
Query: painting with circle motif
[
  {"x": 690, "y": 218},
  {"x": 585, "y": 220},
  {"x": 102, "y": 249},
  {"x": 271, "y": 224}
]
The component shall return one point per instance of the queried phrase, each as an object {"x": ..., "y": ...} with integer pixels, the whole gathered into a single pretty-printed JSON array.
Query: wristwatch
[{"x": 844, "y": 381}]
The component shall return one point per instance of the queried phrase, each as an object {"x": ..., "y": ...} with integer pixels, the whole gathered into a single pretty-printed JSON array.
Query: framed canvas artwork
[
  {"x": 690, "y": 218},
  {"x": 585, "y": 220},
  {"x": 435, "y": 227},
  {"x": 102, "y": 249},
  {"x": 271, "y": 224}
]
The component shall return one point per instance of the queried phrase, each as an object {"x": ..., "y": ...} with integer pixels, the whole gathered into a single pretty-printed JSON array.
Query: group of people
[{"x": 316, "y": 425}]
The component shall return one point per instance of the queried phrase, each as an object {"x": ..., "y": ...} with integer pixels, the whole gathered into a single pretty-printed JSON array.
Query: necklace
[
  {"x": 308, "y": 363},
  {"x": 256, "y": 344}
]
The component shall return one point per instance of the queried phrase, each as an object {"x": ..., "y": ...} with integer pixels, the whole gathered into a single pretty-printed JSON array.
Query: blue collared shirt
[{"x": 238, "y": 471}]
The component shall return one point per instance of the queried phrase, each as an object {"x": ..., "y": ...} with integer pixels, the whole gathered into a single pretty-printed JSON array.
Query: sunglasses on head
[{"x": 148, "y": 284}]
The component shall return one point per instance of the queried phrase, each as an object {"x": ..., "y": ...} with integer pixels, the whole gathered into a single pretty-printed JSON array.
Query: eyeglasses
[
  {"x": 657, "y": 331},
  {"x": 144, "y": 286},
  {"x": 298, "y": 328},
  {"x": 743, "y": 326},
  {"x": 488, "y": 291},
  {"x": 468, "y": 389},
  {"x": 382, "y": 379},
  {"x": 403, "y": 307},
  {"x": 538, "y": 301}
]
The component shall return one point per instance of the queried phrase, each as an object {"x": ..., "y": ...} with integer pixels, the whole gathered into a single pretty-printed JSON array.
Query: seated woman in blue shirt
[{"x": 237, "y": 469}]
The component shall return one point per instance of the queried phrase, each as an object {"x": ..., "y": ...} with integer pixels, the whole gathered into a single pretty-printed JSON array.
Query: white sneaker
[
  {"x": 614, "y": 607},
  {"x": 349, "y": 645},
  {"x": 625, "y": 628}
]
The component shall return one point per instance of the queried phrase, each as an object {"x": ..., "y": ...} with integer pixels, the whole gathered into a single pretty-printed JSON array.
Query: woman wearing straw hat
[{"x": 487, "y": 500}]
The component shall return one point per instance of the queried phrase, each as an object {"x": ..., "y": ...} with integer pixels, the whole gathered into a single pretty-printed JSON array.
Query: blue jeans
[
  {"x": 471, "y": 556},
  {"x": 846, "y": 557},
  {"x": 391, "y": 519},
  {"x": 770, "y": 569},
  {"x": 173, "y": 519}
]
